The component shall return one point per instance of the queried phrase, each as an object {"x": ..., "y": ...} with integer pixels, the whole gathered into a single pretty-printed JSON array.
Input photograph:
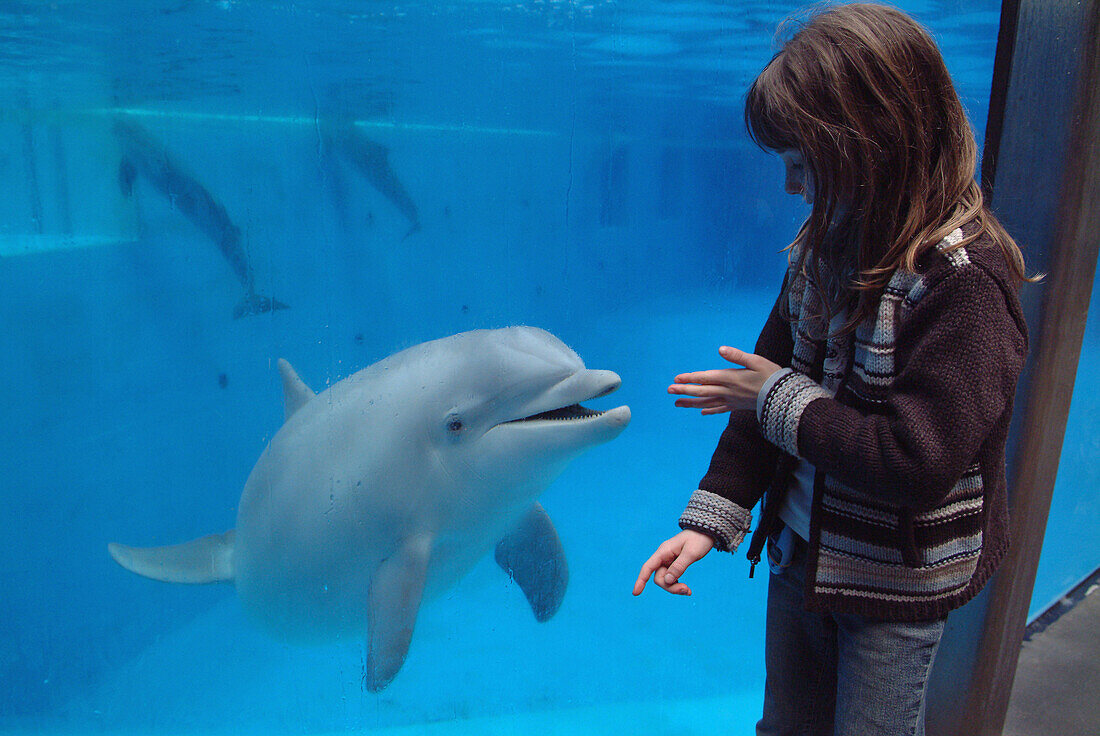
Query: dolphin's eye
[{"x": 454, "y": 424}]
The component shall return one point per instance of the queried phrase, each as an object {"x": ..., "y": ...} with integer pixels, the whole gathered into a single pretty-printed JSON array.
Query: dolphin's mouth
[
  {"x": 565, "y": 413},
  {"x": 585, "y": 385}
]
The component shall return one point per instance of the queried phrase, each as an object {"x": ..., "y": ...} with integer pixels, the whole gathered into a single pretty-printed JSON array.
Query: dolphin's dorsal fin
[
  {"x": 207, "y": 559},
  {"x": 392, "y": 605},
  {"x": 295, "y": 392},
  {"x": 532, "y": 555}
]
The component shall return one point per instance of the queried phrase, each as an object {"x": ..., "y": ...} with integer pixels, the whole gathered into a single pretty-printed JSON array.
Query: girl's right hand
[{"x": 672, "y": 559}]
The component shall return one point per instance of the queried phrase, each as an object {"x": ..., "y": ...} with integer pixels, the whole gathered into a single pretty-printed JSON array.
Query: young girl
[{"x": 872, "y": 415}]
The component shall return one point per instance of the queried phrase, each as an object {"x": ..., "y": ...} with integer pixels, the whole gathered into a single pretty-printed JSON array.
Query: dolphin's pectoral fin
[
  {"x": 295, "y": 392},
  {"x": 393, "y": 602},
  {"x": 532, "y": 555},
  {"x": 207, "y": 559}
]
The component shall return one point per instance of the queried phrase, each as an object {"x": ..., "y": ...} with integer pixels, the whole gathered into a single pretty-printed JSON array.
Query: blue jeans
[{"x": 839, "y": 674}]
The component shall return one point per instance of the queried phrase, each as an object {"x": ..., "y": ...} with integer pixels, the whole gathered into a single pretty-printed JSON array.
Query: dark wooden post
[{"x": 1042, "y": 166}]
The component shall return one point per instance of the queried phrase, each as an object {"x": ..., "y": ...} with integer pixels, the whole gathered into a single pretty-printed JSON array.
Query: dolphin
[
  {"x": 382, "y": 491},
  {"x": 372, "y": 160},
  {"x": 143, "y": 155}
]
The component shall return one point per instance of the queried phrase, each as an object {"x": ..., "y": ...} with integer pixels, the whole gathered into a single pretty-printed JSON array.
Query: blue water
[{"x": 579, "y": 166}]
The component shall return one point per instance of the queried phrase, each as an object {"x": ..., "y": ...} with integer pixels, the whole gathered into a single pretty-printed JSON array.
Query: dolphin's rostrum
[{"x": 385, "y": 489}]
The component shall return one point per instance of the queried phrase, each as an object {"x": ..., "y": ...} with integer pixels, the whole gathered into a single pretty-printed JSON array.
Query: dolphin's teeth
[{"x": 574, "y": 411}]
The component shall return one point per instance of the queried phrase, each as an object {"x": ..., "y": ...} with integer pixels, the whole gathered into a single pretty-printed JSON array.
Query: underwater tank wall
[{"x": 197, "y": 189}]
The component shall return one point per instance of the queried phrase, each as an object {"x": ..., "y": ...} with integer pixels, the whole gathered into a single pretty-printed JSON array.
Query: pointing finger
[
  {"x": 643, "y": 577},
  {"x": 655, "y": 561}
]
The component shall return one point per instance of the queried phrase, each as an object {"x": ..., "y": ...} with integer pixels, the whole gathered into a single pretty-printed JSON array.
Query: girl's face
[{"x": 799, "y": 177}]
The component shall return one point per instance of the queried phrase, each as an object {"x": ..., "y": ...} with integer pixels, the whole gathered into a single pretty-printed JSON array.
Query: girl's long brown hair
[{"x": 863, "y": 93}]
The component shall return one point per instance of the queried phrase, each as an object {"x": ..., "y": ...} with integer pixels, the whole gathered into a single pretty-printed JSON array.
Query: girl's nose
[{"x": 793, "y": 184}]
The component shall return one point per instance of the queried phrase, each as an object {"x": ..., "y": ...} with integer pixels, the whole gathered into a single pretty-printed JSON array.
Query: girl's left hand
[{"x": 725, "y": 389}]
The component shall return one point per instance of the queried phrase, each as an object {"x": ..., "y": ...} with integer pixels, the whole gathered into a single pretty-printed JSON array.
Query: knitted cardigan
[{"x": 909, "y": 512}]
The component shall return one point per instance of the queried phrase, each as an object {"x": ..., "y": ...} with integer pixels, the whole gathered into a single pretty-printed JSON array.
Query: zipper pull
[{"x": 753, "y": 561}]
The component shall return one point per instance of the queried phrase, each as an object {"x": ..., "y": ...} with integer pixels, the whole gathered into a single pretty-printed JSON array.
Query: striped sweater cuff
[
  {"x": 779, "y": 408},
  {"x": 717, "y": 517}
]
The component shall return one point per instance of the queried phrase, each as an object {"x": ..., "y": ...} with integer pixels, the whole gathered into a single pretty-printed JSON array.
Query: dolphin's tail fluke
[
  {"x": 256, "y": 304},
  {"x": 207, "y": 559}
]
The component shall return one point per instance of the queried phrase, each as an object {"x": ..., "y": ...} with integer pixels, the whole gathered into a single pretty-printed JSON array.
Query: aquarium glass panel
[
  {"x": 1071, "y": 549},
  {"x": 219, "y": 219}
]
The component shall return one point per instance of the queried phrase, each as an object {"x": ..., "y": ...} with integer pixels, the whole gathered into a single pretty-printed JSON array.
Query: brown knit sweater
[{"x": 909, "y": 514}]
